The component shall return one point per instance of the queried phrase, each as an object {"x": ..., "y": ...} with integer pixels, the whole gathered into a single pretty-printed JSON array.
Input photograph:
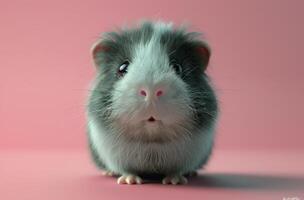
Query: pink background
[{"x": 257, "y": 67}]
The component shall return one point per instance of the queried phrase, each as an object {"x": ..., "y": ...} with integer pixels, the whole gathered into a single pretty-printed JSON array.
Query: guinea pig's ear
[
  {"x": 204, "y": 52},
  {"x": 97, "y": 49}
]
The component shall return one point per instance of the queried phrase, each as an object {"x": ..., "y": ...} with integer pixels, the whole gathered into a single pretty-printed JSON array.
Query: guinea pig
[{"x": 152, "y": 108}]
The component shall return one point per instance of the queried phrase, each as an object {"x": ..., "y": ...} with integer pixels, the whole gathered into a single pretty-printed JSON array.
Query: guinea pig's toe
[
  {"x": 174, "y": 180},
  {"x": 129, "y": 179}
]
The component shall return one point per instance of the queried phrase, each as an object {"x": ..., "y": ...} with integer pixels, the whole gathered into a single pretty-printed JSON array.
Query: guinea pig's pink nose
[{"x": 146, "y": 93}]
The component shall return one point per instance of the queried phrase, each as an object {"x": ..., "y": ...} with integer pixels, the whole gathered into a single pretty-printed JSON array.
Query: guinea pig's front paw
[
  {"x": 129, "y": 179},
  {"x": 177, "y": 179}
]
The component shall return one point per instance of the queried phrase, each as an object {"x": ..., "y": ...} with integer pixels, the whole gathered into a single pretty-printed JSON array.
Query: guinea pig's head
[{"x": 152, "y": 75}]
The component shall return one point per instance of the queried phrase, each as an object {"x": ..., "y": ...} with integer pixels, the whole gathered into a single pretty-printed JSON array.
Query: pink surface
[{"x": 242, "y": 175}]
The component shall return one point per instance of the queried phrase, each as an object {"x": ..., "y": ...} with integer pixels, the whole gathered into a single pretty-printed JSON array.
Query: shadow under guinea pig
[{"x": 247, "y": 181}]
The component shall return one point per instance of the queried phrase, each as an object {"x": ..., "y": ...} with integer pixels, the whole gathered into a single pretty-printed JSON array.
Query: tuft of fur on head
[{"x": 151, "y": 49}]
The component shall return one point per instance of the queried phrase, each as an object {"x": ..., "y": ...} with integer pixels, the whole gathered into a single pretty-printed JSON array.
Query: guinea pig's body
[{"x": 151, "y": 109}]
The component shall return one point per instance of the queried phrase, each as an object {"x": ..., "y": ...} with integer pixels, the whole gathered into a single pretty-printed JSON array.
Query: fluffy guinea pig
[{"x": 151, "y": 109}]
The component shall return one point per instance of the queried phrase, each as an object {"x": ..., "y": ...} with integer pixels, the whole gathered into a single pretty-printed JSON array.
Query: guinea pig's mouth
[{"x": 151, "y": 119}]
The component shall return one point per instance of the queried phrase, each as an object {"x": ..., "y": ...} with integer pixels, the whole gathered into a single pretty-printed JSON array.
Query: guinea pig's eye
[
  {"x": 123, "y": 68},
  {"x": 177, "y": 68}
]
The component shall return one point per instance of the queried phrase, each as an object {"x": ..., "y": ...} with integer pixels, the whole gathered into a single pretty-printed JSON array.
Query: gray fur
[
  {"x": 112, "y": 147},
  {"x": 94, "y": 154}
]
